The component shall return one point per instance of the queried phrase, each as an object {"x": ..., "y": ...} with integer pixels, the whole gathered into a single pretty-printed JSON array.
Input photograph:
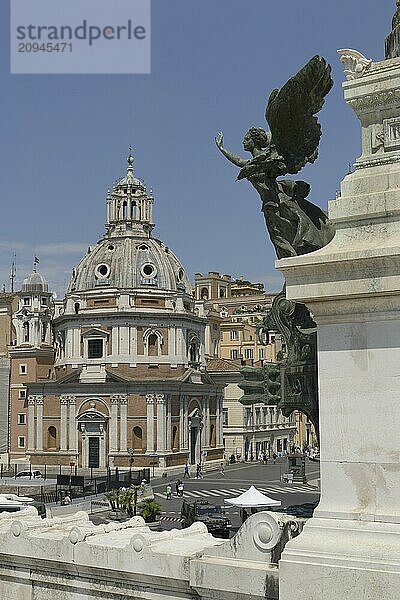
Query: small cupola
[{"x": 129, "y": 206}]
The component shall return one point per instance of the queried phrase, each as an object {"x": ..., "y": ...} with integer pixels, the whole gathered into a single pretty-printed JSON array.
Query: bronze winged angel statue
[{"x": 295, "y": 225}]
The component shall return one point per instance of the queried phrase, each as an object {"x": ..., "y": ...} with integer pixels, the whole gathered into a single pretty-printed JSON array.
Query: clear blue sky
[{"x": 214, "y": 62}]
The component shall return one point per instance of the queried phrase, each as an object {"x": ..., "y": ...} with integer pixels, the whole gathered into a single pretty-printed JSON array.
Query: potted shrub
[
  {"x": 129, "y": 499},
  {"x": 150, "y": 510},
  {"x": 113, "y": 498}
]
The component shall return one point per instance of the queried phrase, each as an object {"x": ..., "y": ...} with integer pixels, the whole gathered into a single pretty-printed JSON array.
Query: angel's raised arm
[{"x": 233, "y": 158}]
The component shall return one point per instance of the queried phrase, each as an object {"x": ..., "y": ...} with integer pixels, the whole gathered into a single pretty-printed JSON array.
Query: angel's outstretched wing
[{"x": 291, "y": 113}]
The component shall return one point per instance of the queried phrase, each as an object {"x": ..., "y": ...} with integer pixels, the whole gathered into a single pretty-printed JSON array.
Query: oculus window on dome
[
  {"x": 149, "y": 274},
  {"x": 102, "y": 271},
  {"x": 148, "y": 270}
]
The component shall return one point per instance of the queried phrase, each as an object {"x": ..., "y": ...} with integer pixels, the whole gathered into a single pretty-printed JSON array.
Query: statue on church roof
[
  {"x": 295, "y": 225},
  {"x": 392, "y": 46},
  {"x": 396, "y": 18}
]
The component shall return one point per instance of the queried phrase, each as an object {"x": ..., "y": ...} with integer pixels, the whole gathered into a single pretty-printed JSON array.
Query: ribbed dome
[
  {"x": 130, "y": 263},
  {"x": 35, "y": 282}
]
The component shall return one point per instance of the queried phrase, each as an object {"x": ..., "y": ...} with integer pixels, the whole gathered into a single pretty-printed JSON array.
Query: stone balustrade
[{"x": 72, "y": 559}]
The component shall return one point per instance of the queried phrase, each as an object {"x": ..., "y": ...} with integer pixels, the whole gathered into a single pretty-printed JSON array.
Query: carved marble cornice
[
  {"x": 374, "y": 162},
  {"x": 375, "y": 100}
]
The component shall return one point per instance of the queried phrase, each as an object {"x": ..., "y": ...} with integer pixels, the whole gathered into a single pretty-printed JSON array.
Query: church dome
[
  {"x": 130, "y": 263},
  {"x": 35, "y": 282},
  {"x": 128, "y": 257}
]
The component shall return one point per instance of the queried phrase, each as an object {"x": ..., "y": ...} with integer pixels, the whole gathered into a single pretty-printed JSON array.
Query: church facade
[{"x": 128, "y": 384}]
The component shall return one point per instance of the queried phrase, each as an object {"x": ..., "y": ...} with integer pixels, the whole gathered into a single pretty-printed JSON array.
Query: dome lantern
[{"x": 129, "y": 206}]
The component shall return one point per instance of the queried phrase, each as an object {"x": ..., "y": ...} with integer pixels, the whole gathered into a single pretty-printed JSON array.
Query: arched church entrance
[{"x": 92, "y": 426}]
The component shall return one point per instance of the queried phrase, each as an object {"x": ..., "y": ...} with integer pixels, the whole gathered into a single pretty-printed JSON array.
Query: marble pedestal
[{"x": 350, "y": 550}]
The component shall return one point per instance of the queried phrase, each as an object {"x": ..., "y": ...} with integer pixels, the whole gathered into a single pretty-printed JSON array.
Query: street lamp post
[
  {"x": 196, "y": 420},
  {"x": 253, "y": 434},
  {"x": 201, "y": 425},
  {"x": 131, "y": 460}
]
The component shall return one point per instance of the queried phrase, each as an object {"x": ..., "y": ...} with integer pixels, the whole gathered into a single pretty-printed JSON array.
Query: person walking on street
[
  {"x": 186, "y": 472},
  {"x": 181, "y": 487},
  {"x": 169, "y": 491},
  {"x": 222, "y": 469},
  {"x": 274, "y": 458}
]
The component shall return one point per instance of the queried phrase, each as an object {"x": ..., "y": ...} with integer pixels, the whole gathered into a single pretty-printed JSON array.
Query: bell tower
[
  {"x": 35, "y": 310},
  {"x": 32, "y": 358}
]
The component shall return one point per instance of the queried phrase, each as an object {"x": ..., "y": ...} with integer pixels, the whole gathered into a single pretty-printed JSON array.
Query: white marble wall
[
  {"x": 350, "y": 549},
  {"x": 69, "y": 558}
]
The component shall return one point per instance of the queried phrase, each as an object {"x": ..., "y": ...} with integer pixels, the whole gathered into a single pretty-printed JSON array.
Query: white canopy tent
[{"x": 252, "y": 499}]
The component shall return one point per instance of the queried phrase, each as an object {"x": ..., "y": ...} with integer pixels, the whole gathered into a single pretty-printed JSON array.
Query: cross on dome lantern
[
  {"x": 130, "y": 158},
  {"x": 129, "y": 171}
]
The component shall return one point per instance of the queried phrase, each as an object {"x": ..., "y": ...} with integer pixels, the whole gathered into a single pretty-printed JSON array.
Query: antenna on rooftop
[{"x": 13, "y": 270}]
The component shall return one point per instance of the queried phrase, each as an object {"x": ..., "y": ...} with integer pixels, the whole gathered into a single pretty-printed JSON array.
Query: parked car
[
  {"x": 209, "y": 514},
  {"x": 30, "y": 474},
  {"x": 314, "y": 457},
  {"x": 305, "y": 510},
  {"x": 14, "y": 503}
]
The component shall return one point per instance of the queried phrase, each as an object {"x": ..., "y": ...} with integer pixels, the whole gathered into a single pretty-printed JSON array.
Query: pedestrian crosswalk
[{"x": 270, "y": 490}]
